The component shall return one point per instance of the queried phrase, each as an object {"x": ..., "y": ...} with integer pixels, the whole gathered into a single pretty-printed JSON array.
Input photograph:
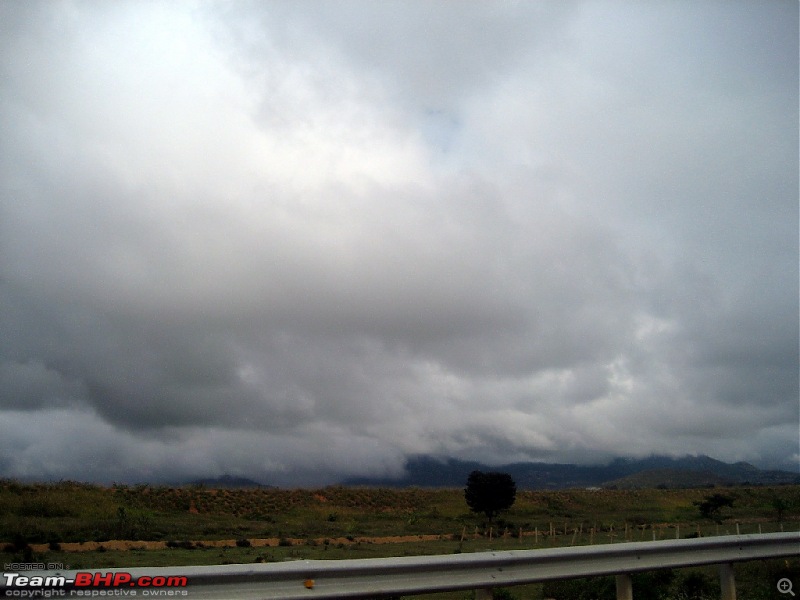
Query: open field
[
  {"x": 84, "y": 526},
  {"x": 195, "y": 525}
]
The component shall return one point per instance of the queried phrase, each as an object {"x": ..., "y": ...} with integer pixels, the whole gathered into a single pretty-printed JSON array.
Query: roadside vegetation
[{"x": 197, "y": 525}]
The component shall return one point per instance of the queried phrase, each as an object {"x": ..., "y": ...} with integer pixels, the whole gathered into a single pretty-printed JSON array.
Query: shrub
[
  {"x": 696, "y": 586},
  {"x": 595, "y": 588},
  {"x": 42, "y": 508},
  {"x": 711, "y": 507},
  {"x": 185, "y": 544}
]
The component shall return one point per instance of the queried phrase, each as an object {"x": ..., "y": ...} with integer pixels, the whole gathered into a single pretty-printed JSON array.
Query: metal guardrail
[{"x": 378, "y": 577}]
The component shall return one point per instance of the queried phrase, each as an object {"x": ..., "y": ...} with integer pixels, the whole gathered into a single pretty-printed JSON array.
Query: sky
[{"x": 302, "y": 241}]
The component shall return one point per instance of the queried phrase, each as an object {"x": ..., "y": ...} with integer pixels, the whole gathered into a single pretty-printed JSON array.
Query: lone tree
[
  {"x": 711, "y": 507},
  {"x": 780, "y": 506},
  {"x": 490, "y": 493}
]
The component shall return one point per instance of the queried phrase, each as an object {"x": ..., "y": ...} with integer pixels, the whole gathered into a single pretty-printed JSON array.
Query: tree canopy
[
  {"x": 711, "y": 507},
  {"x": 490, "y": 493}
]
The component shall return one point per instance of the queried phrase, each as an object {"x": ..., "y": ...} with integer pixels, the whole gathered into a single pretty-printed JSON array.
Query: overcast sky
[{"x": 300, "y": 241}]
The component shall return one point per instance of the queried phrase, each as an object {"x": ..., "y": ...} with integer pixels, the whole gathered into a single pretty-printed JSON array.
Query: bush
[
  {"x": 696, "y": 586},
  {"x": 594, "y": 588},
  {"x": 663, "y": 584},
  {"x": 711, "y": 507},
  {"x": 502, "y": 524},
  {"x": 185, "y": 544},
  {"x": 243, "y": 543},
  {"x": 42, "y": 509}
]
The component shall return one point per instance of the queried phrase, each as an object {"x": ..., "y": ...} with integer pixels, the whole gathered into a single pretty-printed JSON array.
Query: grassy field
[
  {"x": 195, "y": 525},
  {"x": 66, "y": 512}
]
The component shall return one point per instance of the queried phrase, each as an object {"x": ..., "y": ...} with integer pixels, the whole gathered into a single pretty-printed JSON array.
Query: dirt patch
[
  {"x": 401, "y": 539},
  {"x": 256, "y": 542},
  {"x": 109, "y": 545}
]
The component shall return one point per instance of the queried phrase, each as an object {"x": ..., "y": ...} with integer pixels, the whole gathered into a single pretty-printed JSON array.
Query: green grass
[{"x": 73, "y": 512}]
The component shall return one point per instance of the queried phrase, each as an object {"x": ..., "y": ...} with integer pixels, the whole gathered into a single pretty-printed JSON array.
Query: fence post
[
  {"x": 727, "y": 581},
  {"x": 624, "y": 587}
]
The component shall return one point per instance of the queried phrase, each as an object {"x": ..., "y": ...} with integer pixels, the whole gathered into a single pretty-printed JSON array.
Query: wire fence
[{"x": 565, "y": 533}]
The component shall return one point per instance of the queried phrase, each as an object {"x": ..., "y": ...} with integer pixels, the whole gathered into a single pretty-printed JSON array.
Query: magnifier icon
[{"x": 785, "y": 586}]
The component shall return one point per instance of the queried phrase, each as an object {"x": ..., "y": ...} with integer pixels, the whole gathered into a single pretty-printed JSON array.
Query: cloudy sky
[{"x": 300, "y": 241}]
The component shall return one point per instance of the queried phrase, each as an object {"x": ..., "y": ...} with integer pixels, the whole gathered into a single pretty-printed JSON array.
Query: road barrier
[{"x": 482, "y": 571}]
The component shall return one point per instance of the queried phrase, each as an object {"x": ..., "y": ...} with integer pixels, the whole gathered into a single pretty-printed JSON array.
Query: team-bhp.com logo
[{"x": 87, "y": 583}]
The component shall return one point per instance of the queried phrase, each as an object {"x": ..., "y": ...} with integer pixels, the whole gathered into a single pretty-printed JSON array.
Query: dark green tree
[
  {"x": 711, "y": 507},
  {"x": 490, "y": 493},
  {"x": 780, "y": 506}
]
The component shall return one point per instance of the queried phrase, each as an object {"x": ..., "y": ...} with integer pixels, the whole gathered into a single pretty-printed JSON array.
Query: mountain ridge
[
  {"x": 686, "y": 471},
  {"x": 227, "y": 482}
]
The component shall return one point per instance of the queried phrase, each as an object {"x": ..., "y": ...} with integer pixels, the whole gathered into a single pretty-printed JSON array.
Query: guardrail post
[
  {"x": 727, "y": 581},
  {"x": 624, "y": 587}
]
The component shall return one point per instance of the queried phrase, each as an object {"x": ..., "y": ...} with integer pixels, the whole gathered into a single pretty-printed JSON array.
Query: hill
[
  {"x": 228, "y": 482},
  {"x": 667, "y": 478},
  {"x": 687, "y": 471}
]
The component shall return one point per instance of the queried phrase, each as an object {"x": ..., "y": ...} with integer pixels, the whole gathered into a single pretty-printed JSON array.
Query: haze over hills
[
  {"x": 228, "y": 481},
  {"x": 670, "y": 478},
  {"x": 687, "y": 471},
  {"x": 653, "y": 471}
]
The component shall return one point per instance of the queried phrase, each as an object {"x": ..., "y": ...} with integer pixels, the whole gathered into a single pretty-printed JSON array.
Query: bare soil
[{"x": 256, "y": 542}]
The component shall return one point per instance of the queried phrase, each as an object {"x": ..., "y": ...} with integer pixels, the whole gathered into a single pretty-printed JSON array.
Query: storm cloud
[{"x": 302, "y": 241}]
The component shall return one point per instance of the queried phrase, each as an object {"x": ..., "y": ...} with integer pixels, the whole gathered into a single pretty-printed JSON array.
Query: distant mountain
[
  {"x": 228, "y": 481},
  {"x": 668, "y": 478},
  {"x": 429, "y": 471}
]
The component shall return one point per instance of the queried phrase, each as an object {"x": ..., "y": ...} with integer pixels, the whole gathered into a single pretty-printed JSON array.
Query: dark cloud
[{"x": 298, "y": 242}]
